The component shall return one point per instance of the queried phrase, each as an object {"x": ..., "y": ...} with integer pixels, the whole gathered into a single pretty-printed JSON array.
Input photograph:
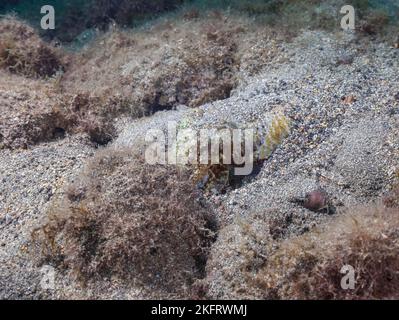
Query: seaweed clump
[
  {"x": 130, "y": 220},
  {"x": 23, "y": 52},
  {"x": 311, "y": 266}
]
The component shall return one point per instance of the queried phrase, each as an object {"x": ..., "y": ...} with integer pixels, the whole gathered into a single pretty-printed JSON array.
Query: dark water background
[{"x": 74, "y": 17}]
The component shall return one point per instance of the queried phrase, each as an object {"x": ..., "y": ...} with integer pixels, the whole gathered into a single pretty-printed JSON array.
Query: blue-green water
[{"x": 75, "y": 17}]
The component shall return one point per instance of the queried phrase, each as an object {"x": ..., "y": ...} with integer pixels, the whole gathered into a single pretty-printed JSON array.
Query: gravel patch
[{"x": 29, "y": 180}]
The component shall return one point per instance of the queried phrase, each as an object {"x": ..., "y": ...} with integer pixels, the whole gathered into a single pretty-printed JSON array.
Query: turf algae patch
[
  {"x": 23, "y": 52},
  {"x": 308, "y": 267},
  {"x": 126, "y": 219}
]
